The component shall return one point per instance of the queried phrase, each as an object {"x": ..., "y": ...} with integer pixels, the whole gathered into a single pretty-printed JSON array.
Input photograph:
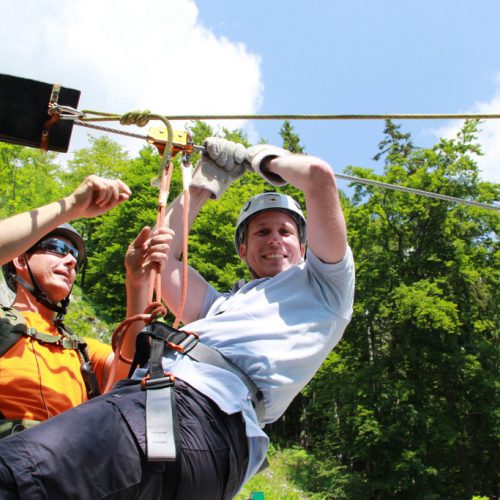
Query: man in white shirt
[{"x": 272, "y": 334}]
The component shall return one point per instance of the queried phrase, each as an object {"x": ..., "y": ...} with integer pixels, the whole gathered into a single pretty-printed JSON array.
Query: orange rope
[
  {"x": 155, "y": 277},
  {"x": 151, "y": 312},
  {"x": 153, "y": 309},
  {"x": 185, "y": 236},
  {"x": 156, "y": 308}
]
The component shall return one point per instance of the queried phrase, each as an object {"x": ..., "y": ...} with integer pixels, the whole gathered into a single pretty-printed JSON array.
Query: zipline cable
[
  {"x": 405, "y": 189},
  {"x": 350, "y": 178},
  {"x": 385, "y": 116}
]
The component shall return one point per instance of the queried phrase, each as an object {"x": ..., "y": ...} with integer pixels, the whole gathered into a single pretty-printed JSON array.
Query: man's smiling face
[{"x": 272, "y": 244}]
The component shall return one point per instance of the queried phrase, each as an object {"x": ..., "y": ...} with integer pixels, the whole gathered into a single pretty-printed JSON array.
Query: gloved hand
[
  {"x": 257, "y": 154},
  {"x": 219, "y": 166}
]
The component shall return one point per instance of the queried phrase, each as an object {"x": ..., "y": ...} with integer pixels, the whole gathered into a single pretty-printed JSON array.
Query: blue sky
[
  {"x": 379, "y": 56},
  {"x": 272, "y": 57}
]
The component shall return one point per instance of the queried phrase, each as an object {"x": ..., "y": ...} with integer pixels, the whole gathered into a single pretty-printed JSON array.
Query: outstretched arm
[
  {"x": 219, "y": 166},
  {"x": 93, "y": 197},
  {"x": 326, "y": 229}
]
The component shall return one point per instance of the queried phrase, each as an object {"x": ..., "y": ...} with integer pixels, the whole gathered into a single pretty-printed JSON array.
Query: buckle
[
  {"x": 187, "y": 344},
  {"x": 156, "y": 383},
  {"x": 69, "y": 343},
  {"x": 31, "y": 332}
]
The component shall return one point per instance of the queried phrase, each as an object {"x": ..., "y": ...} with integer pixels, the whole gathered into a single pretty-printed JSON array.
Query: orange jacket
[{"x": 38, "y": 381}]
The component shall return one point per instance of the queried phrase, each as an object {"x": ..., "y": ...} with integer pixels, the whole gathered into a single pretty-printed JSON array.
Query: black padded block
[{"x": 23, "y": 113}]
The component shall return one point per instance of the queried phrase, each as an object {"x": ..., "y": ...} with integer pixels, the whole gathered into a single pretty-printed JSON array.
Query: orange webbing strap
[
  {"x": 54, "y": 97},
  {"x": 155, "y": 276}
]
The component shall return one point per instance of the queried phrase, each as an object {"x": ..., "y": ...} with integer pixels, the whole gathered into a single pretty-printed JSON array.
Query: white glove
[
  {"x": 257, "y": 154},
  {"x": 219, "y": 166}
]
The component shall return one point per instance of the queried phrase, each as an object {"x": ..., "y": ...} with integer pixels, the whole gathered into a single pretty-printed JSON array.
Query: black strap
[
  {"x": 12, "y": 328},
  {"x": 40, "y": 295},
  {"x": 163, "y": 336},
  {"x": 143, "y": 346},
  {"x": 86, "y": 367}
]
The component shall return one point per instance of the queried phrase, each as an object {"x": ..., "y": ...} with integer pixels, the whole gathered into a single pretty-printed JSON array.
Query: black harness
[{"x": 161, "y": 421}]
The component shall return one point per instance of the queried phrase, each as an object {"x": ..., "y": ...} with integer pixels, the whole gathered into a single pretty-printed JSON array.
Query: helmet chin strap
[{"x": 41, "y": 296}]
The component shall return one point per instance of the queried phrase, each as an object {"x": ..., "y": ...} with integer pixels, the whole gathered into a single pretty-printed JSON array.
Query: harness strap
[
  {"x": 162, "y": 430},
  {"x": 59, "y": 340},
  {"x": 161, "y": 421},
  {"x": 9, "y": 427},
  {"x": 13, "y": 327},
  {"x": 17, "y": 324},
  {"x": 187, "y": 343},
  {"x": 205, "y": 354}
]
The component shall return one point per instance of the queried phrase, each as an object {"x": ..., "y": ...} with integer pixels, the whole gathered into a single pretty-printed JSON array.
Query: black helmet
[{"x": 9, "y": 271}]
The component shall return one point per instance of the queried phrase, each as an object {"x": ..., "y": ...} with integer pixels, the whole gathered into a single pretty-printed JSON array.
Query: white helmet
[{"x": 268, "y": 201}]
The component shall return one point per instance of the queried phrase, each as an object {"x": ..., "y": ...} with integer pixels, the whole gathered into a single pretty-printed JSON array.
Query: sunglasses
[{"x": 59, "y": 247}]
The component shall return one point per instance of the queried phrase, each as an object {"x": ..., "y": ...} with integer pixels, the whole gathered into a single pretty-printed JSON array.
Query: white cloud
[
  {"x": 488, "y": 137},
  {"x": 125, "y": 55}
]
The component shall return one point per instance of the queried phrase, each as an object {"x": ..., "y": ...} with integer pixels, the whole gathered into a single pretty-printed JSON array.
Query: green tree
[
  {"x": 406, "y": 403},
  {"x": 291, "y": 140},
  {"x": 103, "y": 157},
  {"x": 29, "y": 178},
  {"x": 211, "y": 248},
  {"x": 114, "y": 231}
]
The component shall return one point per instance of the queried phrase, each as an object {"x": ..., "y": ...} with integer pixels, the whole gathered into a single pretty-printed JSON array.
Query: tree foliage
[
  {"x": 290, "y": 140},
  {"x": 406, "y": 405},
  {"x": 28, "y": 179}
]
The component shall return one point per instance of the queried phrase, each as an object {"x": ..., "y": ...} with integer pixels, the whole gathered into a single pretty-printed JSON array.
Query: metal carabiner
[{"x": 65, "y": 112}]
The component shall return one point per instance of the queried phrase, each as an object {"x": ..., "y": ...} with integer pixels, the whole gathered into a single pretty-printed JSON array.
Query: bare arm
[
  {"x": 219, "y": 166},
  {"x": 172, "y": 274},
  {"x": 93, "y": 197},
  {"x": 150, "y": 248},
  {"x": 326, "y": 229}
]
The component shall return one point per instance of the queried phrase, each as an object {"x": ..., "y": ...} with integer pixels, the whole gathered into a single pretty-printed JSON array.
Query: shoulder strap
[{"x": 12, "y": 328}]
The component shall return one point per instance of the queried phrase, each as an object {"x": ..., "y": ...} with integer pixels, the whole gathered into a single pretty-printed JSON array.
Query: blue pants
[{"x": 97, "y": 451}]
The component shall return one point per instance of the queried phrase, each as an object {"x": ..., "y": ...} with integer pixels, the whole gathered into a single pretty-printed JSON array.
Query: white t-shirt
[{"x": 278, "y": 331}]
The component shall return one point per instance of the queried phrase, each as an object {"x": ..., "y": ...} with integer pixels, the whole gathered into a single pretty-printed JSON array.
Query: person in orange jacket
[{"x": 45, "y": 368}]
